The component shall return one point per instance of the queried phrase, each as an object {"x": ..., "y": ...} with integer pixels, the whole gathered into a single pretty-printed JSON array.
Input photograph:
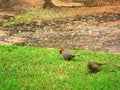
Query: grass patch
[
  {"x": 39, "y": 14},
  {"x": 29, "y": 68}
]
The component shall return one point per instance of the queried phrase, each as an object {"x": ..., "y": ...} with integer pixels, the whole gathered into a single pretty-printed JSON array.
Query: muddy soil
[{"x": 91, "y": 33}]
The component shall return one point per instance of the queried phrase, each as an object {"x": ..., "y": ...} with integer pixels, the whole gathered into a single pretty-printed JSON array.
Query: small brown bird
[
  {"x": 94, "y": 67},
  {"x": 67, "y": 55}
]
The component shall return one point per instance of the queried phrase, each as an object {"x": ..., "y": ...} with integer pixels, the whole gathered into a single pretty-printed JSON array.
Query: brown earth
[
  {"x": 89, "y": 28},
  {"x": 21, "y": 5},
  {"x": 91, "y": 33}
]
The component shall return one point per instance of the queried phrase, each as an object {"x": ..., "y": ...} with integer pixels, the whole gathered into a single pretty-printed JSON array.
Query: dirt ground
[
  {"x": 17, "y": 6},
  {"x": 90, "y": 28},
  {"x": 91, "y": 33}
]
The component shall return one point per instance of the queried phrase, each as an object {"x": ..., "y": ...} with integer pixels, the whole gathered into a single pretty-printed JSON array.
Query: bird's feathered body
[
  {"x": 94, "y": 66},
  {"x": 67, "y": 55}
]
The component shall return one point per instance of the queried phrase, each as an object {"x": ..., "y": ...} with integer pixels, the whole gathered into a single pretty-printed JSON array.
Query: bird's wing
[{"x": 68, "y": 55}]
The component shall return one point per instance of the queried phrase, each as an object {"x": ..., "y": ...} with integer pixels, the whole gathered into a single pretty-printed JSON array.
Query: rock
[
  {"x": 6, "y": 16},
  {"x": 65, "y": 3},
  {"x": 4, "y": 33},
  {"x": 16, "y": 40},
  {"x": 38, "y": 22},
  {"x": 5, "y": 43}
]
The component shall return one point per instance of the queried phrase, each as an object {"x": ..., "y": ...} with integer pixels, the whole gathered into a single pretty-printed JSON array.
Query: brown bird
[
  {"x": 67, "y": 55},
  {"x": 94, "y": 67}
]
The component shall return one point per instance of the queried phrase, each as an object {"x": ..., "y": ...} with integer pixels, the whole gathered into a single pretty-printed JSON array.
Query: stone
[
  {"x": 6, "y": 16},
  {"x": 16, "y": 40},
  {"x": 4, "y": 33},
  {"x": 5, "y": 43}
]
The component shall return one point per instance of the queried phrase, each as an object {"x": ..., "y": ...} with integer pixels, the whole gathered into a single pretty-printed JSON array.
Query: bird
[
  {"x": 94, "y": 67},
  {"x": 66, "y": 54}
]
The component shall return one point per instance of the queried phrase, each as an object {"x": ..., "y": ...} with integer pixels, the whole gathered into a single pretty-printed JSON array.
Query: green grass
[{"x": 30, "y": 68}]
